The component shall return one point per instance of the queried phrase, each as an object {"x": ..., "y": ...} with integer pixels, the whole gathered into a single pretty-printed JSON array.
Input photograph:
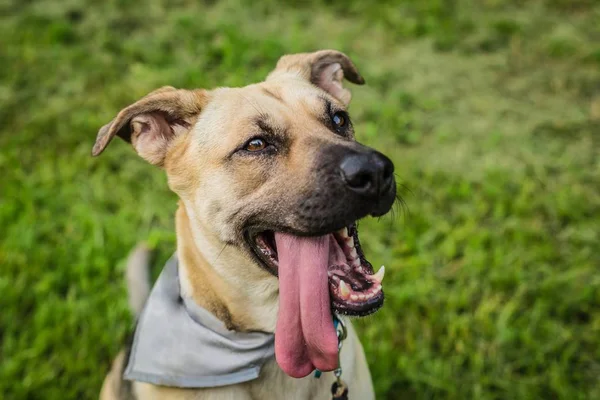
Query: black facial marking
[{"x": 332, "y": 204}]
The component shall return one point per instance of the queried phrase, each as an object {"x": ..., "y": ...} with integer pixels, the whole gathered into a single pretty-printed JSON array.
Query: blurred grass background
[{"x": 490, "y": 110}]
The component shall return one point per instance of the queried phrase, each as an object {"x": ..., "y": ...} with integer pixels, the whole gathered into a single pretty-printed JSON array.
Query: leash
[{"x": 339, "y": 389}]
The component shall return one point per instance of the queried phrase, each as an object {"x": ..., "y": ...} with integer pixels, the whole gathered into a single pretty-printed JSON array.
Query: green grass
[{"x": 489, "y": 109}]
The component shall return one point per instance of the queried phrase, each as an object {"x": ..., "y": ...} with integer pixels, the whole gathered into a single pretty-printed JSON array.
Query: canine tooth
[
  {"x": 353, "y": 254},
  {"x": 379, "y": 275},
  {"x": 354, "y": 297},
  {"x": 362, "y": 296},
  {"x": 344, "y": 290},
  {"x": 350, "y": 242},
  {"x": 343, "y": 233}
]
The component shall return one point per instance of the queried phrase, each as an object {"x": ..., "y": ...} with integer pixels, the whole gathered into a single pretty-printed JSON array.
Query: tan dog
[{"x": 271, "y": 182}]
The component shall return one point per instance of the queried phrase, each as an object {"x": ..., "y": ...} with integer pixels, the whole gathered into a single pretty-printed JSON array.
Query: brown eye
[
  {"x": 257, "y": 144},
  {"x": 339, "y": 119}
]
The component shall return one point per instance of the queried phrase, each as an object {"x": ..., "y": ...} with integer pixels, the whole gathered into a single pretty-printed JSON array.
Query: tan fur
[
  {"x": 193, "y": 134},
  {"x": 111, "y": 388}
]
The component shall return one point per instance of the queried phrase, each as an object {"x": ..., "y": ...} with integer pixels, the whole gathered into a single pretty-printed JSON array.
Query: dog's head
[{"x": 273, "y": 169}]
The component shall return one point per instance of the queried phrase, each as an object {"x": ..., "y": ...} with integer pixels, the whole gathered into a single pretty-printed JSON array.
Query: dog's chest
[
  {"x": 275, "y": 384},
  {"x": 272, "y": 384}
]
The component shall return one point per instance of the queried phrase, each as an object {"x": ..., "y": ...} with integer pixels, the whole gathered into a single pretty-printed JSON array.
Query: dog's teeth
[
  {"x": 354, "y": 297},
  {"x": 350, "y": 242},
  {"x": 362, "y": 296},
  {"x": 378, "y": 277},
  {"x": 353, "y": 254},
  {"x": 356, "y": 264},
  {"x": 343, "y": 233},
  {"x": 344, "y": 290}
]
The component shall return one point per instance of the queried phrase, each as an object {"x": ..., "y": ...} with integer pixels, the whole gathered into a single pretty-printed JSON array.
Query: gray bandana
[{"x": 178, "y": 343}]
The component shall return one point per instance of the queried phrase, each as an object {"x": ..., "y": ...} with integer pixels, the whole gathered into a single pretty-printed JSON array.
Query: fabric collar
[{"x": 178, "y": 343}]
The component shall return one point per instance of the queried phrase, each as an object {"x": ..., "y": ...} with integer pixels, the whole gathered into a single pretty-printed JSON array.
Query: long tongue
[{"x": 305, "y": 338}]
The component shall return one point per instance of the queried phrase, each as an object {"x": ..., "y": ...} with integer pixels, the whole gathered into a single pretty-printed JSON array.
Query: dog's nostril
[
  {"x": 360, "y": 180},
  {"x": 358, "y": 173},
  {"x": 388, "y": 171},
  {"x": 387, "y": 175}
]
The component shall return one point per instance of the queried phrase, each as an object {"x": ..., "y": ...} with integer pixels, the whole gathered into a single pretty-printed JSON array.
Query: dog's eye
[
  {"x": 256, "y": 144},
  {"x": 339, "y": 119}
]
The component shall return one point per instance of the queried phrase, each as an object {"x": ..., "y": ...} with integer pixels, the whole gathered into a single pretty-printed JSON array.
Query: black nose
[{"x": 369, "y": 173}]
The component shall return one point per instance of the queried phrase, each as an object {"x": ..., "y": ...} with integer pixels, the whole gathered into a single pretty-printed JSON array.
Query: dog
[{"x": 271, "y": 182}]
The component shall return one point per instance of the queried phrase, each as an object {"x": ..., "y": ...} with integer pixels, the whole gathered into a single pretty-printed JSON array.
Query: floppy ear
[
  {"x": 325, "y": 69},
  {"x": 151, "y": 123}
]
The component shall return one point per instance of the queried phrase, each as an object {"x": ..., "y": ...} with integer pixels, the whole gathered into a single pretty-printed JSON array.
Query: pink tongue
[{"x": 305, "y": 338}]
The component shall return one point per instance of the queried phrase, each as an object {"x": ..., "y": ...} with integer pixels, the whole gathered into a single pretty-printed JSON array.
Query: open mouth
[
  {"x": 354, "y": 288},
  {"x": 318, "y": 275}
]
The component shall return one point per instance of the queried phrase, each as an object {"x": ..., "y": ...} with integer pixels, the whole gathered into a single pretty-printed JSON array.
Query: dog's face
[
  {"x": 272, "y": 164},
  {"x": 270, "y": 156}
]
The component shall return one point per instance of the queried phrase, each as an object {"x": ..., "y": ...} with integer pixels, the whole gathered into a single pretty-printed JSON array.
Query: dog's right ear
[{"x": 151, "y": 123}]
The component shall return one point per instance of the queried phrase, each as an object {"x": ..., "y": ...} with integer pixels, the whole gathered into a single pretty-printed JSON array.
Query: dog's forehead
[{"x": 269, "y": 98}]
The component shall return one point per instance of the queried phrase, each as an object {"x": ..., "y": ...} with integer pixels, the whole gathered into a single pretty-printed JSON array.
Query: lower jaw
[{"x": 345, "y": 309}]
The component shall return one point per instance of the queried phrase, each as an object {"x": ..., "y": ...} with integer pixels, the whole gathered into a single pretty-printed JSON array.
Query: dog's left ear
[{"x": 325, "y": 69}]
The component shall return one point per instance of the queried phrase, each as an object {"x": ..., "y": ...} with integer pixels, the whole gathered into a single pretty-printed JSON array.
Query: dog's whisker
[
  {"x": 406, "y": 188},
  {"x": 221, "y": 252},
  {"x": 261, "y": 113},
  {"x": 400, "y": 202}
]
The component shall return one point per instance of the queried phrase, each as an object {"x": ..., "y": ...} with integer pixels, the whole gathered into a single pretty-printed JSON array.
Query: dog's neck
[{"x": 221, "y": 279}]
